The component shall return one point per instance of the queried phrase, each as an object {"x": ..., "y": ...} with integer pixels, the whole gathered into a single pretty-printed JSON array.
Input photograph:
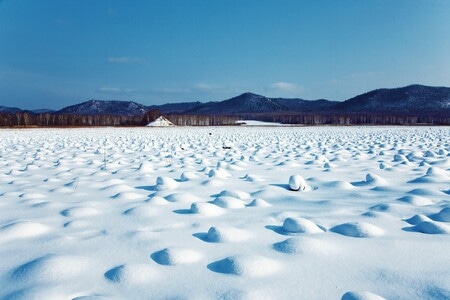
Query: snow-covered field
[{"x": 207, "y": 213}]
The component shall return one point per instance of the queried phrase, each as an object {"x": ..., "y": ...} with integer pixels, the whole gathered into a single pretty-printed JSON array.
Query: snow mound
[
  {"x": 142, "y": 211},
  {"x": 416, "y": 219},
  {"x": 392, "y": 209},
  {"x": 443, "y": 215},
  {"x": 426, "y": 192},
  {"x": 352, "y": 295},
  {"x": 229, "y": 202},
  {"x": 430, "y": 227},
  {"x": 358, "y": 230},
  {"x": 161, "y": 122},
  {"x": 165, "y": 183},
  {"x": 78, "y": 224},
  {"x": 258, "y": 203},
  {"x": 145, "y": 168},
  {"x": 433, "y": 171},
  {"x": 53, "y": 268},
  {"x": 176, "y": 256},
  {"x": 80, "y": 212},
  {"x": 219, "y": 173},
  {"x": 213, "y": 183},
  {"x": 246, "y": 266},
  {"x": 40, "y": 292},
  {"x": 430, "y": 154},
  {"x": 183, "y": 198},
  {"x": 206, "y": 209},
  {"x": 400, "y": 158},
  {"x": 224, "y": 234},
  {"x": 235, "y": 193},
  {"x": 188, "y": 175},
  {"x": 131, "y": 274},
  {"x": 157, "y": 200},
  {"x": 298, "y": 183},
  {"x": 40, "y": 203},
  {"x": 252, "y": 178},
  {"x": 118, "y": 188},
  {"x": 304, "y": 245},
  {"x": 22, "y": 230},
  {"x": 416, "y": 200},
  {"x": 128, "y": 196},
  {"x": 342, "y": 185},
  {"x": 375, "y": 179},
  {"x": 62, "y": 190},
  {"x": 300, "y": 225},
  {"x": 29, "y": 196}
]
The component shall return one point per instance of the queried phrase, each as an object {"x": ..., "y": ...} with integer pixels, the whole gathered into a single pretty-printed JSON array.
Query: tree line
[
  {"x": 202, "y": 120},
  {"x": 349, "y": 119},
  {"x": 29, "y": 119}
]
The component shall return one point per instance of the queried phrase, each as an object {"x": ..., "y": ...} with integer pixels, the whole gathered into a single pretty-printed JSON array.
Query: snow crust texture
[{"x": 225, "y": 213}]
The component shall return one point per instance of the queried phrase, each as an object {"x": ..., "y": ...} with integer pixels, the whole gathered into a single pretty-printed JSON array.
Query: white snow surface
[
  {"x": 259, "y": 123},
  {"x": 162, "y": 213}
]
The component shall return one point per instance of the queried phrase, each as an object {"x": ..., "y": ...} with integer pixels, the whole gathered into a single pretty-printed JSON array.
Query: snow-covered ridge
[
  {"x": 97, "y": 107},
  {"x": 160, "y": 122}
]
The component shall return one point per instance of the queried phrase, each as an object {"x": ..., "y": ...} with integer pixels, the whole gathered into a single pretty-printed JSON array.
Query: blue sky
[{"x": 55, "y": 53}]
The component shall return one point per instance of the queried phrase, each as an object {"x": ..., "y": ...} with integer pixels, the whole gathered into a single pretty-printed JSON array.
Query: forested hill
[{"x": 406, "y": 105}]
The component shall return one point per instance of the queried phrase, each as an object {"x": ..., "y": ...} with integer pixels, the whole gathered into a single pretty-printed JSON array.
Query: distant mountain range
[
  {"x": 413, "y": 99},
  {"x": 249, "y": 103},
  {"x": 10, "y": 110},
  {"x": 409, "y": 100}
]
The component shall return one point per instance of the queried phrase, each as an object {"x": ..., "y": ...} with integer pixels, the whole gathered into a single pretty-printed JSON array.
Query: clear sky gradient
[{"x": 55, "y": 53}]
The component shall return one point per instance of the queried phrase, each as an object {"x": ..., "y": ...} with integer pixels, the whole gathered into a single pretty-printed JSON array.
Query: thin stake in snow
[
  {"x": 76, "y": 184},
  {"x": 104, "y": 155}
]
